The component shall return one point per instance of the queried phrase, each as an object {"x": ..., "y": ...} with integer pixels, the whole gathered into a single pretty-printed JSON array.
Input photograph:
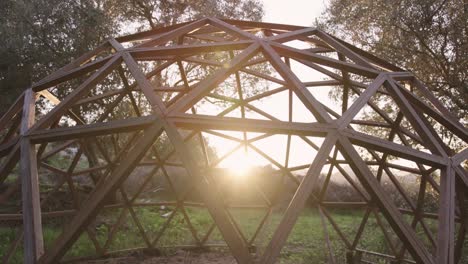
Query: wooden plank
[
  {"x": 14, "y": 109},
  {"x": 444, "y": 117},
  {"x": 462, "y": 230},
  {"x": 99, "y": 97},
  {"x": 395, "y": 149},
  {"x": 76, "y": 94},
  {"x": 78, "y": 62},
  {"x": 150, "y": 33},
  {"x": 230, "y": 29},
  {"x": 212, "y": 200},
  {"x": 157, "y": 105},
  {"x": 462, "y": 174},
  {"x": 430, "y": 96},
  {"x": 246, "y": 70},
  {"x": 353, "y": 86},
  {"x": 446, "y": 221},
  {"x": 460, "y": 157},
  {"x": 331, "y": 257},
  {"x": 373, "y": 59},
  {"x": 309, "y": 101},
  {"x": 153, "y": 53},
  {"x": 363, "y": 99},
  {"x": 205, "y": 86},
  {"x": 5, "y": 148},
  {"x": 9, "y": 162},
  {"x": 255, "y": 24},
  {"x": 343, "y": 49},
  {"x": 91, "y": 206},
  {"x": 430, "y": 137},
  {"x": 69, "y": 75},
  {"x": 326, "y": 61},
  {"x": 292, "y": 35},
  {"x": 97, "y": 129},
  {"x": 201, "y": 122},
  {"x": 303, "y": 192},
  {"x": 30, "y": 195},
  {"x": 174, "y": 34},
  {"x": 394, "y": 218}
]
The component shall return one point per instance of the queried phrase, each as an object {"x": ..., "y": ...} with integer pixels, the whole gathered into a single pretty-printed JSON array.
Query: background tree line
[
  {"x": 40, "y": 36},
  {"x": 429, "y": 38}
]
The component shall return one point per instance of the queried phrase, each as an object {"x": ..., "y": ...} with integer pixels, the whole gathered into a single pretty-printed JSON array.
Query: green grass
[{"x": 305, "y": 244}]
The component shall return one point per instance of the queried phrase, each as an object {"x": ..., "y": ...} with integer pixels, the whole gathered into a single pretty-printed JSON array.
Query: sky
[{"x": 293, "y": 12}]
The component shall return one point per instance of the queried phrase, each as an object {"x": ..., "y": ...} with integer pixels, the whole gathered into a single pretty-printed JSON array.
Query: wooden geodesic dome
[{"x": 101, "y": 132}]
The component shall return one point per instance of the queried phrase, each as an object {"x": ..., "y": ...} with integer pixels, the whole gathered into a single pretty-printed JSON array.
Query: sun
[{"x": 240, "y": 163}]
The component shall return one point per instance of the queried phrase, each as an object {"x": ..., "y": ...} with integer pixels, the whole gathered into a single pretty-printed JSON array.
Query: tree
[
  {"x": 40, "y": 36},
  {"x": 147, "y": 14},
  {"x": 429, "y": 38}
]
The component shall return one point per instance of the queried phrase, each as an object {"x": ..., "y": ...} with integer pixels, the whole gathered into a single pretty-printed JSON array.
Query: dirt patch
[{"x": 180, "y": 256}]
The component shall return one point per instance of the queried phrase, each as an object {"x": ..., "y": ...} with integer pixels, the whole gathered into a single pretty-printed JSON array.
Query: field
[{"x": 306, "y": 243}]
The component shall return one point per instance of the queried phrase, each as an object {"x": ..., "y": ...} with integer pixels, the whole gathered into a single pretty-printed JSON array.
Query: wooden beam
[
  {"x": 71, "y": 74},
  {"x": 205, "y": 86},
  {"x": 430, "y": 138},
  {"x": 326, "y": 61},
  {"x": 77, "y": 93},
  {"x": 212, "y": 200},
  {"x": 76, "y": 63},
  {"x": 446, "y": 220},
  {"x": 30, "y": 195},
  {"x": 363, "y": 99},
  {"x": 444, "y": 117},
  {"x": 14, "y": 109},
  {"x": 202, "y": 122},
  {"x": 91, "y": 130},
  {"x": 395, "y": 149},
  {"x": 6, "y": 148},
  {"x": 339, "y": 47},
  {"x": 309, "y": 101},
  {"x": 292, "y": 35},
  {"x": 303, "y": 192},
  {"x": 95, "y": 202},
  {"x": 174, "y": 34},
  {"x": 394, "y": 218},
  {"x": 157, "y": 105},
  {"x": 153, "y": 53},
  {"x": 255, "y": 24}
]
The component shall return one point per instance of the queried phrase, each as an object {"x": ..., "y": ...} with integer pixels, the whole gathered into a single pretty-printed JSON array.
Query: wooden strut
[
  {"x": 233, "y": 53},
  {"x": 33, "y": 240}
]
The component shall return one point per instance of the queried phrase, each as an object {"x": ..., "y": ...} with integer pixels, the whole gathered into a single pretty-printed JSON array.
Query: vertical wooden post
[
  {"x": 446, "y": 230},
  {"x": 33, "y": 242}
]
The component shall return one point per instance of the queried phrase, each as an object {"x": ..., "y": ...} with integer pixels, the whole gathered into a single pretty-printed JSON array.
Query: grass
[{"x": 305, "y": 244}]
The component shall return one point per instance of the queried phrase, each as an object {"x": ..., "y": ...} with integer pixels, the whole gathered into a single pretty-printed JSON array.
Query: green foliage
[
  {"x": 305, "y": 243},
  {"x": 428, "y": 37},
  {"x": 41, "y": 36},
  {"x": 152, "y": 13}
]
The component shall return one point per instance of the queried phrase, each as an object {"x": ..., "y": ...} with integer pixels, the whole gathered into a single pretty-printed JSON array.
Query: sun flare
[{"x": 241, "y": 163}]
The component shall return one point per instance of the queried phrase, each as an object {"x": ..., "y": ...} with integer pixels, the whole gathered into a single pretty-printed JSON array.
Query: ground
[
  {"x": 180, "y": 256},
  {"x": 305, "y": 244}
]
